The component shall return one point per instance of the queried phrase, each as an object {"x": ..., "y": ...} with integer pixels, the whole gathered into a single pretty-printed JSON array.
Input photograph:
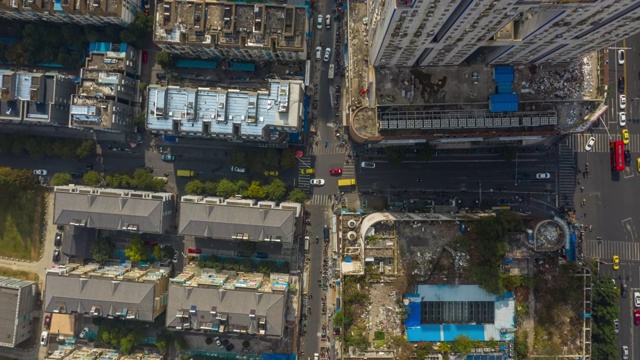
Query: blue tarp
[
  {"x": 503, "y": 103},
  {"x": 505, "y": 88},
  {"x": 485, "y": 357},
  {"x": 571, "y": 254},
  {"x": 503, "y": 74},
  {"x": 243, "y": 67},
  {"x": 197, "y": 64},
  {"x": 413, "y": 314}
]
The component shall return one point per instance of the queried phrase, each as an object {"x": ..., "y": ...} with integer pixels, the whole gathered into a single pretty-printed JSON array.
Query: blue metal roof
[
  {"x": 503, "y": 74},
  {"x": 503, "y": 103}
]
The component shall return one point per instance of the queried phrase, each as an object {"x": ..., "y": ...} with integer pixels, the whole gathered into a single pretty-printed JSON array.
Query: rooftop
[
  {"x": 11, "y": 312},
  {"x": 225, "y": 111},
  {"x": 225, "y": 24}
]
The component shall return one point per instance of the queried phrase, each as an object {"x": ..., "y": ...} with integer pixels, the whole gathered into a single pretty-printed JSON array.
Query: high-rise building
[
  {"x": 217, "y": 29},
  {"x": 19, "y": 299},
  {"x": 465, "y": 32},
  {"x": 96, "y": 12}
]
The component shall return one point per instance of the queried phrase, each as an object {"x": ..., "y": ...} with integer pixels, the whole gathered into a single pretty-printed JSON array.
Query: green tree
[
  {"x": 180, "y": 342},
  {"x": 256, "y": 191},
  {"x": 297, "y": 195},
  {"x": 162, "y": 340},
  {"x": 101, "y": 250},
  {"x": 18, "y": 55},
  {"x": 87, "y": 148},
  {"x": 92, "y": 178},
  {"x": 140, "y": 119},
  {"x": 164, "y": 59},
  {"x": 462, "y": 344},
  {"x": 276, "y": 190},
  {"x": 118, "y": 180},
  {"x": 59, "y": 179},
  {"x": 226, "y": 188},
  {"x": 288, "y": 159},
  {"x": 194, "y": 187},
  {"x": 210, "y": 188},
  {"x": 242, "y": 187},
  {"x": 136, "y": 251},
  {"x": 128, "y": 342}
]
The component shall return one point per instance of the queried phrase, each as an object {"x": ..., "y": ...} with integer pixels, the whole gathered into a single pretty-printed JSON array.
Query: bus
[{"x": 617, "y": 155}]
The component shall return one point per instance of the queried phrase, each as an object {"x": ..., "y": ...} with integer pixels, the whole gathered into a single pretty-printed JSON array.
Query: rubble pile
[{"x": 574, "y": 82}]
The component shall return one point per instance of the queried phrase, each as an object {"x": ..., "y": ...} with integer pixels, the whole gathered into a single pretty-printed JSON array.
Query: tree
[
  {"x": 180, "y": 342},
  {"x": 128, "y": 342},
  {"x": 140, "y": 119},
  {"x": 462, "y": 344},
  {"x": 59, "y": 179},
  {"x": 164, "y": 59},
  {"x": 276, "y": 190},
  {"x": 162, "y": 340},
  {"x": 255, "y": 191},
  {"x": 226, "y": 188},
  {"x": 288, "y": 159},
  {"x": 210, "y": 188},
  {"x": 92, "y": 178},
  {"x": 194, "y": 187},
  {"x": 297, "y": 195},
  {"x": 86, "y": 149},
  {"x": 101, "y": 250},
  {"x": 136, "y": 251},
  {"x": 18, "y": 55}
]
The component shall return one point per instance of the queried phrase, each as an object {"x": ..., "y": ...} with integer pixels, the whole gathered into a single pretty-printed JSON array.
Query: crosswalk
[
  {"x": 322, "y": 200},
  {"x": 627, "y": 250},
  {"x": 303, "y": 179},
  {"x": 577, "y": 142},
  {"x": 319, "y": 149},
  {"x": 566, "y": 175}
]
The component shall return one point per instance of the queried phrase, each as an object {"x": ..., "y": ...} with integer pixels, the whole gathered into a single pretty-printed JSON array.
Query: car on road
[
  {"x": 40, "y": 172},
  {"x": 590, "y": 144},
  {"x": 325, "y": 233},
  {"x": 336, "y": 171},
  {"x": 194, "y": 251},
  {"x": 625, "y": 136},
  {"x": 327, "y": 21},
  {"x": 318, "y": 53},
  {"x": 145, "y": 57},
  {"x": 168, "y": 157},
  {"x": 238, "y": 169},
  {"x": 622, "y": 118},
  {"x": 636, "y": 299},
  {"x": 616, "y": 326},
  {"x": 621, "y": 57},
  {"x": 623, "y": 289},
  {"x": 616, "y": 262},
  {"x": 56, "y": 255},
  {"x": 218, "y": 342},
  {"x": 316, "y": 356},
  {"x": 627, "y": 158},
  {"x": 638, "y": 163},
  {"x": 57, "y": 241},
  {"x": 320, "y": 182},
  {"x": 44, "y": 338},
  {"x": 327, "y": 54},
  {"x": 319, "y": 22},
  {"x": 636, "y": 317},
  {"x": 623, "y": 102},
  {"x": 621, "y": 84},
  {"x": 625, "y": 352},
  {"x": 368, "y": 165},
  {"x": 175, "y": 257},
  {"x": 543, "y": 176},
  {"x": 47, "y": 321},
  {"x": 271, "y": 173},
  {"x": 307, "y": 171}
]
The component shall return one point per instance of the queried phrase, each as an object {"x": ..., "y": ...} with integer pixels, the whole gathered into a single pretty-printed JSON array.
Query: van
[
  {"x": 327, "y": 21},
  {"x": 325, "y": 232},
  {"x": 306, "y": 244}
]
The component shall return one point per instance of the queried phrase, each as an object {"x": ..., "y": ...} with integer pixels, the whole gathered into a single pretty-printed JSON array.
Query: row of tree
[
  {"x": 40, "y": 147},
  {"x": 604, "y": 311},
  {"x": 244, "y": 265},
  {"x": 259, "y": 160},
  {"x": 276, "y": 190}
]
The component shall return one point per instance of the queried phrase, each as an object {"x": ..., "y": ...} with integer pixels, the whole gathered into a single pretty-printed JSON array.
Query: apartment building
[
  {"x": 466, "y": 32},
  {"x": 266, "y": 115},
  {"x": 92, "y": 12},
  {"x": 108, "y": 88},
  {"x": 19, "y": 298},
  {"x": 227, "y": 302},
  {"x": 207, "y": 29},
  {"x": 35, "y": 98}
]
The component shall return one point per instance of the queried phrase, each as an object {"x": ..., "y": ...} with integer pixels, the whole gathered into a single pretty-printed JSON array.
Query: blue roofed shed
[
  {"x": 503, "y": 74},
  {"x": 503, "y": 103}
]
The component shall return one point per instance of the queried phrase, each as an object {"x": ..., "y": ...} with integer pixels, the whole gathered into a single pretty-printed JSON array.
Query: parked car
[
  {"x": 621, "y": 84},
  {"x": 145, "y": 57},
  {"x": 40, "y": 172},
  {"x": 47, "y": 321},
  {"x": 271, "y": 173},
  {"x": 168, "y": 157},
  {"x": 194, "y": 251},
  {"x": 318, "y": 53},
  {"x": 327, "y": 21},
  {"x": 336, "y": 171},
  {"x": 57, "y": 241},
  {"x": 636, "y": 317},
  {"x": 320, "y": 182},
  {"x": 616, "y": 325},
  {"x": 56, "y": 255},
  {"x": 319, "y": 22},
  {"x": 621, "y": 57},
  {"x": 543, "y": 176},
  {"x": 590, "y": 144},
  {"x": 44, "y": 338},
  {"x": 218, "y": 342},
  {"x": 625, "y": 352},
  {"x": 368, "y": 165},
  {"x": 636, "y": 299},
  {"x": 327, "y": 54},
  {"x": 238, "y": 169}
]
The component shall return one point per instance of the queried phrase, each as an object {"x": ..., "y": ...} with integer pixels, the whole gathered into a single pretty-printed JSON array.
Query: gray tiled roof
[
  {"x": 236, "y": 304},
  {"x": 80, "y": 294},
  {"x": 224, "y": 221},
  {"x": 110, "y": 212}
]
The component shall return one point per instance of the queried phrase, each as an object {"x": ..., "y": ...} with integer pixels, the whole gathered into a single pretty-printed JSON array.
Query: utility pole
[
  {"x": 480, "y": 193},
  {"x": 516, "y": 179}
]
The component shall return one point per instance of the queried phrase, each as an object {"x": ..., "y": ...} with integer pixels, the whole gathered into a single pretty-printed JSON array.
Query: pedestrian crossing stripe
[
  {"x": 330, "y": 149},
  {"x": 323, "y": 200},
  {"x": 626, "y": 250},
  {"x": 578, "y": 142}
]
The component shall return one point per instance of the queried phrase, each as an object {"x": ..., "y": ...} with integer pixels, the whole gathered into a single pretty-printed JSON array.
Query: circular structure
[
  {"x": 549, "y": 235},
  {"x": 351, "y": 224},
  {"x": 351, "y": 235}
]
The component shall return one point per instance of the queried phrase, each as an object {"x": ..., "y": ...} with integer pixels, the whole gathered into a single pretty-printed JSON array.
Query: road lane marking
[{"x": 629, "y": 227}]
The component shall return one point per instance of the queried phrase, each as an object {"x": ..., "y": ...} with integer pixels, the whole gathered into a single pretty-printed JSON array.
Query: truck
[
  {"x": 346, "y": 182},
  {"x": 185, "y": 173},
  {"x": 332, "y": 71},
  {"x": 171, "y": 139}
]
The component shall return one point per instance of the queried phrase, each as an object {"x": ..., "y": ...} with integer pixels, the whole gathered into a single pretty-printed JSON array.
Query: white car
[
  {"x": 368, "y": 165},
  {"x": 543, "y": 176},
  {"x": 616, "y": 326},
  {"x": 622, "y": 118},
  {"x": 636, "y": 299},
  {"x": 327, "y": 54},
  {"x": 623, "y": 102},
  {"x": 40, "y": 172},
  {"x": 238, "y": 169},
  {"x": 327, "y": 21},
  {"x": 621, "y": 57},
  {"x": 319, "y": 24},
  {"x": 625, "y": 352},
  {"x": 318, "y": 53},
  {"x": 316, "y": 182},
  {"x": 44, "y": 338},
  {"x": 590, "y": 143}
]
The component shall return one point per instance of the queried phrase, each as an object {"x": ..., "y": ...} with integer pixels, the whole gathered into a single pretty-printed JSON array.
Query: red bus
[{"x": 617, "y": 155}]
